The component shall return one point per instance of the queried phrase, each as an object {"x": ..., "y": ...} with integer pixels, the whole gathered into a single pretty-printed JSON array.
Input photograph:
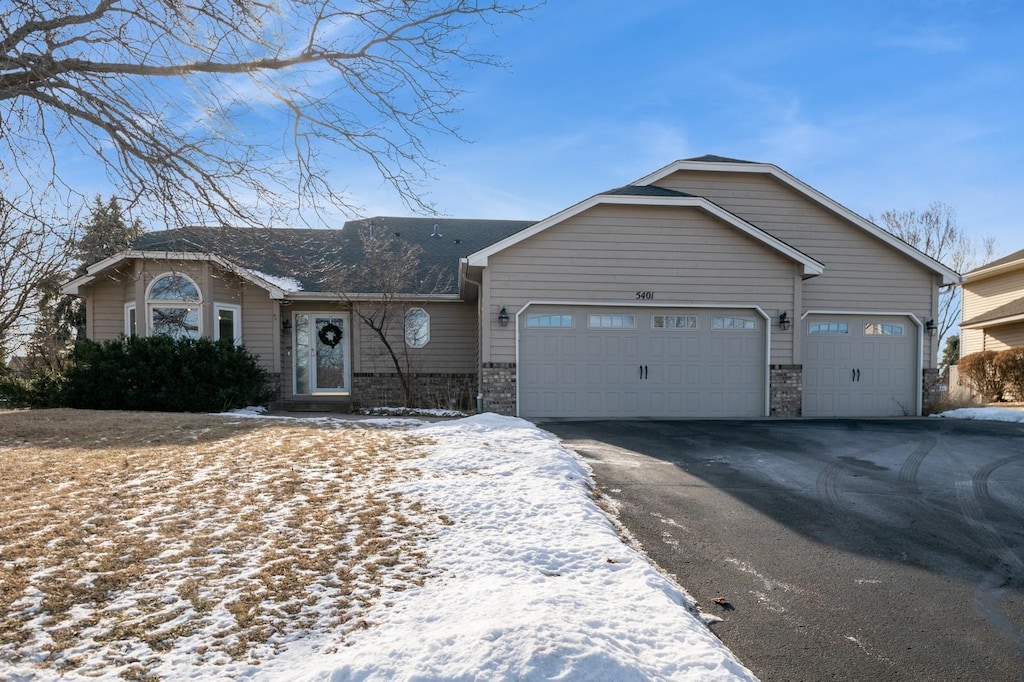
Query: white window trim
[
  {"x": 129, "y": 310},
  {"x": 405, "y": 326},
  {"x": 151, "y": 304},
  {"x": 755, "y": 328},
  {"x": 623, "y": 328},
  {"x": 236, "y": 321},
  {"x": 694, "y": 328},
  {"x": 571, "y": 325}
]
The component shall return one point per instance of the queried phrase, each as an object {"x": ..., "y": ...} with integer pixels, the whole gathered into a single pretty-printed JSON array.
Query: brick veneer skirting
[
  {"x": 498, "y": 384},
  {"x": 445, "y": 391},
  {"x": 931, "y": 390},
  {"x": 785, "y": 395}
]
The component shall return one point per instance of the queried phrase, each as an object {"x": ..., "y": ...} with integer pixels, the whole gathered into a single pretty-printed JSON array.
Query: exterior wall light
[
  {"x": 503, "y": 317},
  {"x": 783, "y": 320},
  {"x": 286, "y": 324},
  {"x": 930, "y": 327}
]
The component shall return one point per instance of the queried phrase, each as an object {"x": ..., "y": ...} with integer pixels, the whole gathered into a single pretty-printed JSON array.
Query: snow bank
[
  {"x": 532, "y": 583},
  {"x": 999, "y": 414}
]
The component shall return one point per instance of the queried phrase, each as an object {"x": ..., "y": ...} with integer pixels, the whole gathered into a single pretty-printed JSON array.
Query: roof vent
[
  {"x": 437, "y": 231},
  {"x": 456, "y": 241}
]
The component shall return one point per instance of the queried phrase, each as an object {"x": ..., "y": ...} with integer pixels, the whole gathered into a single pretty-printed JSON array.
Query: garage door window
[
  {"x": 549, "y": 321},
  {"x": 883, "y": 329},
  {"x": 732, "y": 323},
  {"x": 829, "y": 328},
  {"x": 612, "y": 322},
  {"x": 674, "y": 322}
]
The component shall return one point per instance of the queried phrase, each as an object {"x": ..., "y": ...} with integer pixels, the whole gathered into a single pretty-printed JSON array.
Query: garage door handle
[
  {"x": 854, "y": 375},
  {"x": 643, "y": 372},
  {"x": 858, "y": 376}
]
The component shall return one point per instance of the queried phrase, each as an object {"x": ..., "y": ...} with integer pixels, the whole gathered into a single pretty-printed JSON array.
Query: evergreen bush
[{"x": 159, "y": 373}]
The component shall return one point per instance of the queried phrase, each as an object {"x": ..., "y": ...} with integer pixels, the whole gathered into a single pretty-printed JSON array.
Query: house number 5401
[{"x": 645, "y": 295}]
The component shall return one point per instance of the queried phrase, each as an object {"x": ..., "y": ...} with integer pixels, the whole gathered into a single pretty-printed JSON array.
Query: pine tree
[{"x": 61, "y": 318}]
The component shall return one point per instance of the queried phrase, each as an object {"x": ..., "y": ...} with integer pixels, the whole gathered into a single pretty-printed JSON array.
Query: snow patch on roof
[{"x": 288, "y": 285}]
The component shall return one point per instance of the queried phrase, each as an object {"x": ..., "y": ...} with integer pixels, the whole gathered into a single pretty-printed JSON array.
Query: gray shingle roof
[
  {"x": 1016, "y": 255},
  {"x": 312, "y": 256},
  {"x": 712, "y": 158},
  {"x": 1011, "y": 309},
  {"x": 647, "y": 191}
]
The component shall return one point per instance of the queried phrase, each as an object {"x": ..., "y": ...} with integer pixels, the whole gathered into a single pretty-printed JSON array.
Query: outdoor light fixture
[
  {"x": 503, "y": 317},
  {"x": 930, "y": 327},
  {"x": 286, "y": 324},
  {"x": 783, "y": 320}
]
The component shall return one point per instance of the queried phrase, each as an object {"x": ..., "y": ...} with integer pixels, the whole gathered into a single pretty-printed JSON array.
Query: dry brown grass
[{"x": 125, "y": 537}]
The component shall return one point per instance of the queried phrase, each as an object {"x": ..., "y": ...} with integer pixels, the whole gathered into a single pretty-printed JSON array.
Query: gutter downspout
[{"x": 464, "y": 274}]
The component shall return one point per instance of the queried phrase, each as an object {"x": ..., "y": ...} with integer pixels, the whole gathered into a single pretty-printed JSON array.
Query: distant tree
[
  {"x": 380, "y": 289},
  {"x": 950, "y": 354},
  {"x": 936, "y": 233},
  {"x": 60, "y": 319},
  {"x": 34, "y": 250},
  {"x": 158, "y": 95},
  {"x": 108, "y": 232}
]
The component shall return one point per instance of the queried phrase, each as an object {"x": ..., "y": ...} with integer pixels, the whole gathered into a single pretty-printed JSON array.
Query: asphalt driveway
[{"x": 842, "y": 550}]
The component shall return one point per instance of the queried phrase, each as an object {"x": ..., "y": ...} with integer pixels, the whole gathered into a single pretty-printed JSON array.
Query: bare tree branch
[
  {"x": 936, "y": 233},
  {"x": 161, "y": 94}
]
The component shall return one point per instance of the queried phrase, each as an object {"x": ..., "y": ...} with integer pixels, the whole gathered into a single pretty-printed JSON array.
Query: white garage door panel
[
  {"x": 641, "y": 372},
  {"x": 855, "y": 374}
]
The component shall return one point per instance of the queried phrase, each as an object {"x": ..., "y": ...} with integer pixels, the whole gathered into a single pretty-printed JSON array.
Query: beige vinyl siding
[
  {"x": 862, "y": 273},
  {"x": 610, "y": 252},
  {"x": 981, "y": 296},
  {"x": 1005, "y": 336},
  {"x": 452, "y": 347},
  {"x": 105, "y": 306}
]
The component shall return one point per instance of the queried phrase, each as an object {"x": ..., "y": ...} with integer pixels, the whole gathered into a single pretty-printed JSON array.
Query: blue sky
[{"x": 877, "y": 104}]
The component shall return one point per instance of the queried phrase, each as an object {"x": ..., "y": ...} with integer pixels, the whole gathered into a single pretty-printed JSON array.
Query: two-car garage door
[{"x": 627, "y": 362}]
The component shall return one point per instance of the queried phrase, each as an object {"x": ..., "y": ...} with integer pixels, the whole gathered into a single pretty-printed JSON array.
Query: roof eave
[
  {"x": 997, "y": 322},
  {"x": 984, "y": 273},
  {"x": 949, "y": 276}
]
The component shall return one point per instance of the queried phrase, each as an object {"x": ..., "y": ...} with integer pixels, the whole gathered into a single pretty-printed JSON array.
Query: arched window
[{"x": 173, "y": 302}]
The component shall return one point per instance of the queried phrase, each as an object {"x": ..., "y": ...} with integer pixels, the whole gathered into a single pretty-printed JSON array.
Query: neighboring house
[
  {"x": 709, "y": 288},
  {"x": 993, "y": 306}
]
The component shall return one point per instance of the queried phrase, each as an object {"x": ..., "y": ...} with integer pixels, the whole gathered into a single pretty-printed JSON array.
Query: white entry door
[{"x": 321, "y": 354}]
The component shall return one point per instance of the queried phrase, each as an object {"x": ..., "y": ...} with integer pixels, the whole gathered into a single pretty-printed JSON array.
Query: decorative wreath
[{"x": 330, "y": 335}]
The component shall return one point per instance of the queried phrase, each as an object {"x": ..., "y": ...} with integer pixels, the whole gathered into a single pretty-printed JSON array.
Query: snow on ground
[
  {"x": 999, "y": 414},
  {"x": 471, "y": 549},
  {"x": 535, "y": 582}
]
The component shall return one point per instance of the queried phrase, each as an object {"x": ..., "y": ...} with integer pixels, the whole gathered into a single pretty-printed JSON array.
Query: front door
[{"x": 321, "y": 354}]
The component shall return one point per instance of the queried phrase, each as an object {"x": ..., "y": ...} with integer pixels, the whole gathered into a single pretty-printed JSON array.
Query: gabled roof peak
[{"x": 713, "y": 158}]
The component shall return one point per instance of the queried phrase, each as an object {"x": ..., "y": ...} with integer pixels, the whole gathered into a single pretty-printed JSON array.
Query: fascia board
[
  {"x": 949, "y": 276},
  {"x": 985, "y": 273},
  {"x": 337, "y": 297},
  {"x": 811, "y": 266}
]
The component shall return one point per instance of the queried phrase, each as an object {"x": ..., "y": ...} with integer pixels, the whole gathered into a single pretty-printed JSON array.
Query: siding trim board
[
  {"x": 949, "y": 276},
  {"x": 765, "y": 317}
]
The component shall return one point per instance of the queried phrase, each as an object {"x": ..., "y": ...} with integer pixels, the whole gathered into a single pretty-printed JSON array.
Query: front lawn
[{"x": 136, "y": 541}]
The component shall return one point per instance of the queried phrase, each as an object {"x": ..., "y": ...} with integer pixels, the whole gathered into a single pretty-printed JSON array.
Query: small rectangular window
[
  {"x": 883, "y": 329},
  {"x": 549, "y": 321},
  {"x": 129, "y": 319},
  {"x": 228, "y": 323},
  {"x": 829, "y": 328},
  {"x": 612, "y": 321},
  {"x": 731, "y": 323},
  {"x": 674, "y": 322}
]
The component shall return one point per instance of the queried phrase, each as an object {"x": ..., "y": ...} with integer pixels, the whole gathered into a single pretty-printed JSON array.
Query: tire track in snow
[{"x": 912, "y": 465}]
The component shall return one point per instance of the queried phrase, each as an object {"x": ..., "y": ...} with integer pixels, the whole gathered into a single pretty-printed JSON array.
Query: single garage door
[
  {"x": 592, "y": 362},
  {"x": 859, "y": 366}
]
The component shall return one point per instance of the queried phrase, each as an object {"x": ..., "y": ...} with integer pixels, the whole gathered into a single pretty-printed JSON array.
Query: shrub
[
  {"x": 163, "y": 374},
  {"x": 980, "y": 370},
  {"x": 44, "y": 390},
  {"x": 1010, "y": 367}
]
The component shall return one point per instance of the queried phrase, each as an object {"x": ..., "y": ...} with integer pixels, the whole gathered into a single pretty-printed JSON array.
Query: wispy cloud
[{"x": 933, "y": 39}]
